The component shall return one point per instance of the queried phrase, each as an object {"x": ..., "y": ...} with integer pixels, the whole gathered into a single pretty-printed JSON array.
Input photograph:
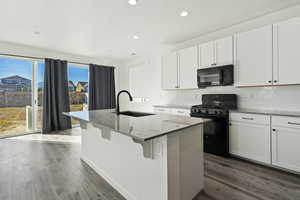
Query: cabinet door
[
  {"x": 188, "y": 64},
  {"x": 183, "y": 112},
  {"x": 287, "y": 52},
  {"x": 207, "y": 54},
  {"x": 169, "y": 71},
  {"x": 224, "y": 51},
  {"x": 286, "y": 148},
  {"x": 254, "y": 57},
  {"x": 250, "y": 141},
  {"x": 160, "y": 110}
]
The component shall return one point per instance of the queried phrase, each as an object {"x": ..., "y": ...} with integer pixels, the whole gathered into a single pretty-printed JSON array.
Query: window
[{"x": 78, "y": 88}]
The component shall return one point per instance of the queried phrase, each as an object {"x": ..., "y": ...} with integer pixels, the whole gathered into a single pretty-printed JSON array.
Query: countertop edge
[{"x": 168, "y": 132}]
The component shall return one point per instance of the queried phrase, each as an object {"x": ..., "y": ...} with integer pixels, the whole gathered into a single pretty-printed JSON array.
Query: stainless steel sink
[{"x": 135, "y": 114}]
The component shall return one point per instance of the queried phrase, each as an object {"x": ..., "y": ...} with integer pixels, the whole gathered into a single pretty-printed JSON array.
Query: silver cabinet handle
[
  {"x": 247, "y": 118},
  {"x": 292, "y": 123},
  {"x": 180, "y": 111},
  {"x": 161, "y": 110}
]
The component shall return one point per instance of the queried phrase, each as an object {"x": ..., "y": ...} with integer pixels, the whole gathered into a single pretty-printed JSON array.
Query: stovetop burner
[{"x": 216, "y": 105}]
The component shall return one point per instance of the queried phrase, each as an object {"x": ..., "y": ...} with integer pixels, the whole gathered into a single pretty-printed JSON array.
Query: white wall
[{"x": 279, "y": 98}]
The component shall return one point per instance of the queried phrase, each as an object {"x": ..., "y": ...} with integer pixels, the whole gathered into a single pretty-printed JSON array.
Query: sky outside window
[{"x": 11, "y": 67}]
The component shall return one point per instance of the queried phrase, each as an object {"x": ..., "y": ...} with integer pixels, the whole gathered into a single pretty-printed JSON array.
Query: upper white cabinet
[
  {"x": 215, "y": 53},
  {"x": 285, "y": 142},
  {"x": 253, "y": 57},
  {"x": 207, "y": 55},
  {"x": 287, "y": 52},
  {"x": 224, "y": 51},
  {"x": 179, "y": 70},
  {"x": 170, "y": 71},
  {"x": 188, "y": 64}
]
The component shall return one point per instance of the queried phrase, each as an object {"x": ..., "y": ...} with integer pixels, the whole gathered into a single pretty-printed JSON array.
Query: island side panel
[
  {"x": 119, "y": 160},
  {"x": 185, "y": 163}
]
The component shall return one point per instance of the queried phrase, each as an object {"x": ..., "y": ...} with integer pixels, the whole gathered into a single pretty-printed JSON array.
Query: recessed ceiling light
[
  {"x": 133, "y": 54},
  {"x": 136, "y": 37},
  {"x": 184, "y": 13},
  {"x": 132, "y": 2}
]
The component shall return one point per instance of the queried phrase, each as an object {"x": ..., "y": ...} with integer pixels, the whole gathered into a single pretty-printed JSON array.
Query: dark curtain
[
  {"x": 56, "y": 96},
  {"x": 101, "y": 87}
]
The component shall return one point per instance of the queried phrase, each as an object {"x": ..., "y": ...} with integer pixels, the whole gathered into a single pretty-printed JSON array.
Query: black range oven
[
  {"x": 215, "y": 76},
  {"x": 216, "y": 132}
]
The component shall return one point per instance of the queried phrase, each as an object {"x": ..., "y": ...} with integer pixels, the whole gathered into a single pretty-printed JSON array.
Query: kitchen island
[{"x": 145, "y": 158}]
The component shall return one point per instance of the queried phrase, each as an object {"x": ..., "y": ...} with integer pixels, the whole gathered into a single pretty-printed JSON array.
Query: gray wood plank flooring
[{"x": 32, "y": 170}]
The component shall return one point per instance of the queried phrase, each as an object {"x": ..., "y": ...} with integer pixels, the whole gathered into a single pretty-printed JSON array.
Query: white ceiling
[{"x": 104, "y": 28}]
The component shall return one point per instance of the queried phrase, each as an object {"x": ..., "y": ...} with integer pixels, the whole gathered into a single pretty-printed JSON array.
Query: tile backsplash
[{"x": 276, "y": 98}]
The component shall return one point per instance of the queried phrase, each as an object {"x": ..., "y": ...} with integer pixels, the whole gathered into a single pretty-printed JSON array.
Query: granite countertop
[
  {"x": 269, "y": 112},
  {"x": 173, "y": 106},
  {"x": 139, "y": 128}
]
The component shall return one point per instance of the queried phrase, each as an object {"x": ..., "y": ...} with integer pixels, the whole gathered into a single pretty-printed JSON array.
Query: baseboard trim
[{"x": 112, "y": 182}]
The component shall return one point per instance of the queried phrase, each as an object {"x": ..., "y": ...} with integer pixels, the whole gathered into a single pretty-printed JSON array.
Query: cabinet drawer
[
  {"x": 250, "y": 118},
  {"x": 162, "y": 110},
  {"x": 289, "y": 122},
  {"x": 184, "y": 112}
]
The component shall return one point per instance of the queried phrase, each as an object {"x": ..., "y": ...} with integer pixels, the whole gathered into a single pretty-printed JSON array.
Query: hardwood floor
[{"x": 33, "y": 170}]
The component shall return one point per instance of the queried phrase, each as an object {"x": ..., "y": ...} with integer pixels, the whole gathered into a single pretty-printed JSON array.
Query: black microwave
[{"x": 215, "y": 76}]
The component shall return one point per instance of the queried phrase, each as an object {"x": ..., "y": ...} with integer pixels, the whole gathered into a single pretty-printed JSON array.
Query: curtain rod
[{"x": 39, "y": 58}]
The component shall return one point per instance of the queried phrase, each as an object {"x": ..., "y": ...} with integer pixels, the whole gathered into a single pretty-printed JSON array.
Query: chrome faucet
[{"x": 118, "y": 96}]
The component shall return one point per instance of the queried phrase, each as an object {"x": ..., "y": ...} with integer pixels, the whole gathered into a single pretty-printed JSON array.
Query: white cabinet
[
  {"x": 207, "y": 54},
  {"x": 183, "y": 112},
  {"x": 161, "y": 110},
  {"x": 287, "y": 52},
  {"x": 250, "y": 136},
  {"x": 188, "y": 64},
  {"x": 215, "y": 53},
  {"x": 172, "y": 111},
  {"x": 170, "y": 71},
  {"x": 253, "y": 57},
  {"x": 224, "y": 51},
  {"x": 285, "y": 142},
  {"x": 179, "y": 70}
]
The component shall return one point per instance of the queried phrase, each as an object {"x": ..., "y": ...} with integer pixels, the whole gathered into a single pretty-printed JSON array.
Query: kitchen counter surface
[
  {"x": 269, "y": 112},
  {"x": 139, "y": 128}
]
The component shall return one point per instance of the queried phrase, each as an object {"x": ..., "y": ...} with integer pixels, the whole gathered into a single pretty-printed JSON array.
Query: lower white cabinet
[
  {"x": 269, "y": 139},
  {"x": 172, "y": 111},
  {"x": 286, "y": 142},
  {"x": 183, "y": 112},
  {"x": 250, "y": 137},
  {"x": 160, "y": 110}
]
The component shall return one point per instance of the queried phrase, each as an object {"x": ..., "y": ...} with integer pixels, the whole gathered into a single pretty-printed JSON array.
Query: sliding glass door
[{"x": 21, "y": 84}]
